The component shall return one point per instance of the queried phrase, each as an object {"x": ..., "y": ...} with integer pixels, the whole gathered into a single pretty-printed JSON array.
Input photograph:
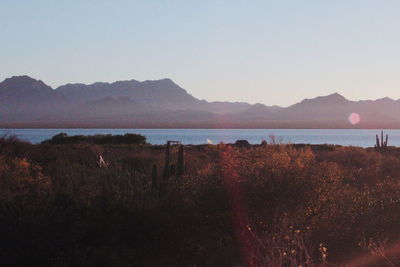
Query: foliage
[
  {"x": 100, "y": 139},
  {"x": 271, "y": 205}
]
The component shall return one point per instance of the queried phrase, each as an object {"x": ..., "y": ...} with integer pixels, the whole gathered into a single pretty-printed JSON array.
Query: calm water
[{"x": 363, "y": 138}]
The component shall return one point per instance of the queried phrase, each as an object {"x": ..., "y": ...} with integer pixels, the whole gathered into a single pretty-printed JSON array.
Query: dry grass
[{"x": 278, "y": 205}]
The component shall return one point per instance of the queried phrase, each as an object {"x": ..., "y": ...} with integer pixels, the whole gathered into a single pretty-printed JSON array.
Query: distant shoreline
[{"x": 159, "y": 136}]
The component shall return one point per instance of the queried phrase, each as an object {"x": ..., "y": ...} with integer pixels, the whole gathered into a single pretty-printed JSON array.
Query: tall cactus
[
  {"x": 381, "y": 143},
  {"x": 172, "y": 170}
]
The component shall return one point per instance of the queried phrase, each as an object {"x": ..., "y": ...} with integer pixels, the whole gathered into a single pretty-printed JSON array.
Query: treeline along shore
[{"x": 118, "y": 201}]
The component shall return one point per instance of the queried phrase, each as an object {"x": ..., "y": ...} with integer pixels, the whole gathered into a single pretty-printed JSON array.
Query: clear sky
[{"x": 272, "y": 52}]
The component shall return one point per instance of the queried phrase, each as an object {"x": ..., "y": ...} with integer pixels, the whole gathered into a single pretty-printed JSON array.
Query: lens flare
[{"x": 354, "y": 118}]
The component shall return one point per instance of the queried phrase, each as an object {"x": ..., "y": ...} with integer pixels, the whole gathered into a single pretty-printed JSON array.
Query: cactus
[
  {"x": 180, "y": 162},
  {"x": 381, "y": 143},
  {"x": 173, "y": 169}
]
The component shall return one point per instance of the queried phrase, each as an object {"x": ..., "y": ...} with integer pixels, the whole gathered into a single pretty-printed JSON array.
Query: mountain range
[{"x": 27, "y": 102}]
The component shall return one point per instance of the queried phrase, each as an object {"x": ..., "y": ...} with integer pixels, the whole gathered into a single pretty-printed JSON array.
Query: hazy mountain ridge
[{"x": 26, "y": 102}]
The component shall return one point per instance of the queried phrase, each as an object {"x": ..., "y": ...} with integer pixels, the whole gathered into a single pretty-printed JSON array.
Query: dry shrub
[
  {"x": 20, "y": 178},
  {"x": 290, "y": 199}
]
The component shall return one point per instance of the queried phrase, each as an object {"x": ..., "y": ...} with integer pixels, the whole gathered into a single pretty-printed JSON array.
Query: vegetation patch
[
  {"x": 100, "y": 139},
  {"x": 271, "y": 205}
]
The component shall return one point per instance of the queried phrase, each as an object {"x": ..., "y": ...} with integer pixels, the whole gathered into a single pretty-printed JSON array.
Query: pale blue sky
[{"x": 273, "y": 52}]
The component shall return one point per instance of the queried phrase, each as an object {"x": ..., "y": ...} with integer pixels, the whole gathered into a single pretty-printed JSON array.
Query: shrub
[
  {"x": 101, "y": 139},
  {"x": 275, "y": 205}
]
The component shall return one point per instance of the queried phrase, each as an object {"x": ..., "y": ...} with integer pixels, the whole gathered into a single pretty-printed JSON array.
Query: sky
[{"x": 271, "y": 52}]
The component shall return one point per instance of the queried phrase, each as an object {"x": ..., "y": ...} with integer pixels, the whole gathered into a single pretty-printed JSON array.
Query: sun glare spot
[{"x": 354, "y": 118}]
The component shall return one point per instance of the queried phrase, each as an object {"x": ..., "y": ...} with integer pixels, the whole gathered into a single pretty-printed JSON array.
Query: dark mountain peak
[
  {"x": 334, "y": 98},
  {"x": 259, "y": 105},
  {"x": 126, "y": 83},
  {"x": 167, "y": 83},
  {"x": 97, "y": 85},
  {"x": 100, "y": 84},
  {"x": 166, "y": 80},
  {"x": 21, "y": 78},
  {"x": 159, "y": 93},
  {"x": 25, "y": 97},
  {"x": 70, "y": 84},
  {"x": 336, "y": 94},
  {"x": 22, "y": 82},
  {"x": 385, "y": 99}
]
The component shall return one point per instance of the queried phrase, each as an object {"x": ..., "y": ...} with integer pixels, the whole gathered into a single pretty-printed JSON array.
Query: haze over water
[{"x": 346, "y": 137}]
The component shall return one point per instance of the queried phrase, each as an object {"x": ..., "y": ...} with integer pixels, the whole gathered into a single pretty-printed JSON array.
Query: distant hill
[
  {"x": 26, "y": 102},
  {"x": 25, "y": 99}
]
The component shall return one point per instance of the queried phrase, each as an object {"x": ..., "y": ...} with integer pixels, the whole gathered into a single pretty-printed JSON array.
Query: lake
[{"x": 353, "y": 137}]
